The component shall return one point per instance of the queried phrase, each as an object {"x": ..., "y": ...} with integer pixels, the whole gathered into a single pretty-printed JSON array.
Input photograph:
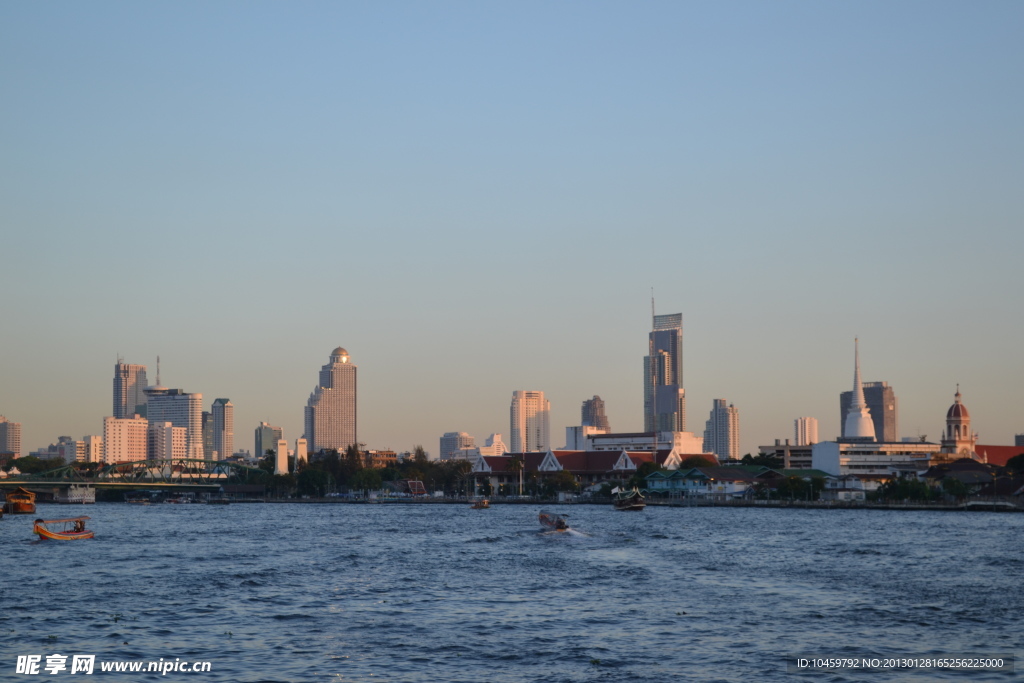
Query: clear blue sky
[{"x": 474, "y": 198}]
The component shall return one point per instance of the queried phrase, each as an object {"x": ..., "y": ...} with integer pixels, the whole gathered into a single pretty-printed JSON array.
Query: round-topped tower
[
  {"x": 339, "y": 355},
  {"x": 958, "y": 438}
]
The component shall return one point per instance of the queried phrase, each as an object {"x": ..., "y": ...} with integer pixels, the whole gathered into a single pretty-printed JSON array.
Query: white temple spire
[{"x": 858, "y": 419}]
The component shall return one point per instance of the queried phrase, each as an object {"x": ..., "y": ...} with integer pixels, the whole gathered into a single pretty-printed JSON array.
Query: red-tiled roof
[{"x": 998, "y": 455}]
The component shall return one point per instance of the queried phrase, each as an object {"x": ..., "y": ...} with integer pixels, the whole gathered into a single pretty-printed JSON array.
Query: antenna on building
[
  {"x": 652, "y": 307},
  {"x": 120, "y": 359},
  {"x": 158, "y": 372}
]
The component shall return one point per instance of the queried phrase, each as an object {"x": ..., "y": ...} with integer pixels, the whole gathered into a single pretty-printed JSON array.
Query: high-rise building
[
  {"x": 281, "y": 457},
  {"x": 454, "y": 445},
  {"x": 858, "y": 424},
  {"x": 267, "y": 437},
  {"x": 125, "y": 439},
  {"x": 129, "y": 390},
  {"x": 10, "y": 437},
  {"x": 530, "y": 422},
  {"x": 223, "y": 427},
  {"x": 664, "y": 396},
  {"x": 493, "y": 445},
  {"x": 805, "y": 431},
  {"x": 592, "y": 414},
  {"x": 181, "y": 409},
  {"x": 1018, "y": 440},
  {"x": 722, "y": 430},
  {"x": 93, "y": 448},
  {"x": 330, "y": 415},
  {"x": 208, "y": 434},
  {"x": 166, "y": 442}
]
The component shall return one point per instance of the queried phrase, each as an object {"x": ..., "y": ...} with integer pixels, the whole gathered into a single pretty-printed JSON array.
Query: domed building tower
[
  {"x": 330, "y": 415},
  {"x": 958, "y": 440}
]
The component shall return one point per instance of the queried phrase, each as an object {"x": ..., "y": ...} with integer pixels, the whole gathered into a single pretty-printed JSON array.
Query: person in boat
[{"x": 79, "y": 525}]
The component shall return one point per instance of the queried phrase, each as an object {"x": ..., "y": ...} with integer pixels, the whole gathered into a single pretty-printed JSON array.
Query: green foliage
[
  {"x": 905, "y": 490},
  {"x": 639, "y": 479},
  {"x": 954, "y": 487},
  {"x": 763, "y": 461},
  {"x": 1016, "y": 464},
  {"x": 366, "y": 479},
  {"x": 313, "y": 482},
  {"x": 31, "y": 464},
  {"x": 697, "y": 461}
]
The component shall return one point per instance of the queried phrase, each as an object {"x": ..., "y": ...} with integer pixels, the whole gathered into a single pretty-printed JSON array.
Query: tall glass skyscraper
[
  {"x": 664, "y": 396},
  {"x": 129, "y": 385},
  {"x": 331, "y": 410},
  {"x": 530, "y": 422}
]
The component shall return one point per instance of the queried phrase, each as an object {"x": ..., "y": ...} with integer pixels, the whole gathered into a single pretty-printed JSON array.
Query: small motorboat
[
  {"x": 70, "y": 529},
  {"x": 481, "y": 505},
  {"x": 552, "y": 521},
  {"x": 630, "y": 500},
  {"x": 20, "y": 501}
]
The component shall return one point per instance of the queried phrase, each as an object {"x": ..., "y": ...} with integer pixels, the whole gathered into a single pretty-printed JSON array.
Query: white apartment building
[
  {"x": 10, "y": 437},
  {"x": 167, "y": 442},
  {"x": 530, "y": 422},
  {"x": 722, "y": 430},
  {"x": 684, "y": 443},
  {"x": 330, "y": 415},
  {"x": 125, "y": 439},
  {"x": 805, "y": 431},
  {"x": 455, "y": 446},
  {"x": 181, "y": 409}
]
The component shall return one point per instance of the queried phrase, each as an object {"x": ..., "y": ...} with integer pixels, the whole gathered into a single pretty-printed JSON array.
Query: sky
[{"x": 474, "y": 198}]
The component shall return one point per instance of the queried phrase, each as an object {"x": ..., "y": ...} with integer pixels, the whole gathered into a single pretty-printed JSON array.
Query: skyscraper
[
  {"x": 664, "y": 396},
  {"x": 455, "y": 445},
  {"x": 267, "y": 437},
  {"x": 223, "y": 427},
  {"x": 805, "y": 431},
  {"x": 331, "y": 410},
  {"x": 858, "y": 424},
  {"x": 722, "y": 430},
  {"x": 124, "y": 439},
  {"x": 530, "y": 422},
  {"x": 882, "y": 405},
  {"x": 181, "y": 409},
  {"x": 129, "y": 389},
  {"x": 592, "y": 414},
  {"x": 10, "y": 437}
]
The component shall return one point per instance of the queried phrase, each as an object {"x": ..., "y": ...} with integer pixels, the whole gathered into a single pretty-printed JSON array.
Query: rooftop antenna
[
  {"x": 652, "y": 307},
  {"x": 158, "y": 372}
]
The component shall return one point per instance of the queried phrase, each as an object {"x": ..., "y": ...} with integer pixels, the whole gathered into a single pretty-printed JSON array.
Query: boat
[
  {"x": 76, "y": 495},
  {"x": 70, "y": 529},
  {"x": 138, "y": 499},
  {"x": 629, "y": 500},
  {"x": 20, "y": 501},
  {"x": 481, "y": 505},
  {"x": 552, "y": 521}
]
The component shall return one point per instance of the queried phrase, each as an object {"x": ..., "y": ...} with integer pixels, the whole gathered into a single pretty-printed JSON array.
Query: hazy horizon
[{"x": 478, "y": 198}]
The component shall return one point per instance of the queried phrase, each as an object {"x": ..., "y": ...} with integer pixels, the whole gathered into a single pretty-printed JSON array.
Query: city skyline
[{"x": 781, "y": 186}]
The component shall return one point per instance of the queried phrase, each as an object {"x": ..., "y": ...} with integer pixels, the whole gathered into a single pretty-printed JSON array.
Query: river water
[{"x": 417, "y": 593}]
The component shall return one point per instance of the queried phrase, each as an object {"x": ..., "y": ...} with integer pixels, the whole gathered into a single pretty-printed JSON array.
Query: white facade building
[
  {"x": 576, "y": 437},
  {"x": 330, "y": 415},
  {"x": 530, "y": 422},
  {"x": 805, "y": 431},
  {"x": 281, "y": 457},
  {"x": 870, "y": 460},
  {"x": 455, "y": 446},
  {"x": 125, "y": 439},
  {"x": 10, "y": 437},
  {"x": 722, "y": 430},
  {"x": 684, "y": 443},
  {"x": 493, "y": 445},
  {"x": 93, "y": 448},
  {"x": 301, "y": 452},
  {"x": 167, "y": 442},
  {"x": 181, "y": 409}
]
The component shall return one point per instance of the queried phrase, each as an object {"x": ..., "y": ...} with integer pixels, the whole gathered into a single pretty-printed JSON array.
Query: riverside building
[
  {"x": 181, "y": 409},
  {"x": 530, "y": 422},
  {"x": 330, "y": 415}
]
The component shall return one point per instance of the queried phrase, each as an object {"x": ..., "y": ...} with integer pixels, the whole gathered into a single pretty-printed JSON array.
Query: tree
[
  {"x": 312, "y": 482},
  {"x": 639, "y": 479},
  {"x": 267, "y": 462},
  {"x": 1016, "y": 464},
  {"x": 515, "y": 466},
  {"x": 366, "y": 479},
  {"x": 563, "y": 481},
  {"x": 697, "y": 461}
]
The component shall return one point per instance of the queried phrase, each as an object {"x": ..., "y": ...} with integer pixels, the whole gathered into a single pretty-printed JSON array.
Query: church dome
[{"x": 957, "y": 411}]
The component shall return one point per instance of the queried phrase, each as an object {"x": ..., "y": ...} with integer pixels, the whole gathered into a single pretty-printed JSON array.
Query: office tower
[
  {"x": 129, "y": 390},
  {"x": 454, "y": 443},
  {"x": 166, "y": 442},
  {"x": 530, "y": 418},
  {"x": 223, "y": 427},
  {"x": 267, "y": 437},
  {"x": 10, "y": 437},
  {"x": 1018, "y": 440},
  {"x": 208, "y": 433},
  {"x": 331, "y": 410},
  {"x": 125, "y": 439},
  {"x": 592, "y": 414},
  {"x": 722, "y": 431},
  {"x": 181, "y": 409},
  {"x": 806, "y": 431},
  {"x": 664, "y": 396},
  {"x": 858, "y": 424},
  {"x": 281, "y": 457},
  {"x": 69, "y": 450},
  {"x": 883, "y": 406}
]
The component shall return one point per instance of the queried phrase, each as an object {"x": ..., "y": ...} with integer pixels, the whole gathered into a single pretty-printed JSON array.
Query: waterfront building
[
  {"x": 664, "y": 396},
  {"x": 870, "y": 461},
  {"x": 722, "y": 430},
  {"x": 181, "y": 409},
  {"x": 223, "y": 428},
  {"x": 330, "y": 415},
  {"x": 530, "y": 421},
  {"x": 281, "y": 457},
  {"x": 858, "y": 425},
  {"x": 586, "y": 467},
  {"x": 129, "y": 390},
  {"x": 592, "y": 415},
  {"x": 805, "y": 431},
  {"x": 167, "y": 442},
  {"x": 125, "y": 439},
  {"x": 10, "y": 437},
  {"x": 797, "y": 457},
  {"x": 267, "y": 437},
  {"x": 455, "y": 445},
  {"x": 684, "y": 443}
]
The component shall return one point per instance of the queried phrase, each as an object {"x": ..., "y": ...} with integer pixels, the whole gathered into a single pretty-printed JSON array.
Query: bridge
[{"x": 181, "y": 473}]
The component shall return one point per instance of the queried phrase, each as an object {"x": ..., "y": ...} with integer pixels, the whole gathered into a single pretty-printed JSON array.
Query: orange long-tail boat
[
  {"x": 73, "y": 529},
  {"x": 20, "y": 501}
]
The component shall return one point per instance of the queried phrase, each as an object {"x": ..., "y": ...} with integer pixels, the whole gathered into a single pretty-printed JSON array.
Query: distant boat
[
  {"x": 629, "y": 500},
  {"x": 138, "y": 499},
  {"x": 20, "y": 502},
  {"x": 481, "y": 505},
  {"x": 552, "y": 521},
  {"x": 71, "y": 529}
]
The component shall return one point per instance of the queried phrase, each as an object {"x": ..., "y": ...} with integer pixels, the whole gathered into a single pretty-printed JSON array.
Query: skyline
[{"x": 478, "y": 199}]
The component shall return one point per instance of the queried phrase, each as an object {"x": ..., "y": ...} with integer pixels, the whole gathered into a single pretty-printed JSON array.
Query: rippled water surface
[{"x": 444, "y": 593}]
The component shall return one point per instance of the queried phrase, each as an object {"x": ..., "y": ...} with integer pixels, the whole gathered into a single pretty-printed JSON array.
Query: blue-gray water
[{"x": 445, "y": 593}]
